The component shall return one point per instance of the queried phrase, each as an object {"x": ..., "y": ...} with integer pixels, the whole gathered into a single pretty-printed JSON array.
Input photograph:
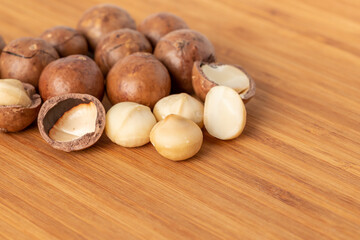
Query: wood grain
[{"x": 293, "y": 174}]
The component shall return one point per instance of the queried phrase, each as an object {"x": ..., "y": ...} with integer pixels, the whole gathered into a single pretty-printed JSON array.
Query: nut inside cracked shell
[
  {"x": 71, "y": 122},
  {"x": 205, "y": 76},
  {"x": 19, "y": 105}
]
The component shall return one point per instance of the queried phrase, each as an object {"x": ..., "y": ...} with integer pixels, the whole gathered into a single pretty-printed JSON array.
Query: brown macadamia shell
[
  {"x": 72, "y": 74},
  {"x": 159, "y": 24},
  {"x": 139, "y": 78},
  {"x": 202, "y": 84},
  {"x": 118, "y": 44},
  {"x": 25, "y": 58},
  {"x": 2, "y": 44},
  {"x": 67, "y": 41},
  {"x": 14, "y": 118},
  {"x": 55, "y": 107},
  {"x": 102, "y": 19},
  {"x": 178, "y": 51}
]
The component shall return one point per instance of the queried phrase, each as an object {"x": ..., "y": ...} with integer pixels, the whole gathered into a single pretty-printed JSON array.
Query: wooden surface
[{"x": 293, "y": 174}]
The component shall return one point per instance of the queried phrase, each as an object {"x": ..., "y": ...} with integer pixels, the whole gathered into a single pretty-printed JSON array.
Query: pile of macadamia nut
[{"x": 137, "y": 68}]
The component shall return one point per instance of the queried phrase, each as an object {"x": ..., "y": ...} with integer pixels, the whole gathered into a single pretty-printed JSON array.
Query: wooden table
[{"x": 293, "y": 174}]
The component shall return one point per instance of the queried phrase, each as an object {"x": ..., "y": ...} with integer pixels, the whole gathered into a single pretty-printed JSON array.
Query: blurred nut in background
[
  {"x": 72, "y": 74},
  {"x": 118, "y": 44},
  {"x": 158, "y": 25},
  {"x": 25, "y": 58},
  {"x": 67, "y": 41},
  {"x": 139, "y": 78},
  {"x": 102, "y": 19}
]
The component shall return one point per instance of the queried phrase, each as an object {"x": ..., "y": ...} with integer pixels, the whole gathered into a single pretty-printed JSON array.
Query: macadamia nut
[
  {"x": 224, "y": 113},
  {"x": 25, "y": 58},
  {"x": 128, "y": 124},
  {"x": 19, "y": 105},
  {"x": 71, "y": 122},
  {"x": 157, "y": 25},
  {"x": 176, "y": 138},
  {"x": 180, "y": 104},
  {"x": 75, "y": 123},
  {"x": 12, "y": 92}
]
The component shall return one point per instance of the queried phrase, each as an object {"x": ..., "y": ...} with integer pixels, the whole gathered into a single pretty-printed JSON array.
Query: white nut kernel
[
  {"x": 12, "y": 92},
  {"x": 176, "y": 138},
  {"x": 75, "y": 123},
  {"x": 129, "y": 124},
  {"x": 224, "y": 113},
  {"x": 180, "y": 104}
]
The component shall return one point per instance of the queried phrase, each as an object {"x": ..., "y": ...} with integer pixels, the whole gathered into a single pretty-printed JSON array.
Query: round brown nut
[
  {"x": 140, "y": 78},
  {"x": 158, "y": 25},
  {"x": 179, "y": 50},
  {"x": 72, "y": 74},
  {"x": 102, "y": 19},
  {"x": 19, "y": 105},
  {"x": 118, "y": 44},
  {"x": 205, "y": 76},
  {"x": 25, "y": 58},
  {"x": 72, "y": 121},
  {"x": 67, "y": 41}
]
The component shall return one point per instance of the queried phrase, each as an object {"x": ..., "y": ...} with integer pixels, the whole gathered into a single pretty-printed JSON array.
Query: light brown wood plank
[{"x": 294, "y": 173}]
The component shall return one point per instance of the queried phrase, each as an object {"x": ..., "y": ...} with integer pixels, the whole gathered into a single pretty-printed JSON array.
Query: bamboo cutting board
[{"x": 293, "y": 174}]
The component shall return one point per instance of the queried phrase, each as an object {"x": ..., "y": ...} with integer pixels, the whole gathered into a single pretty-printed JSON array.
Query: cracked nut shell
[
  {"x": 25, "y": 58},
  {"x": 53, "y": 109},
  {"x": 178, "y": 51},
  {"x": 67, "y": 41},
  {"x": 102, "y": 19},
  {"x": 14, "y": 118},
  {"x": 117, "y": 45},
  {"x": 216, "y": 74},
  {"x": 159, "y": 24},
  {"x": 72, "y": 74}
]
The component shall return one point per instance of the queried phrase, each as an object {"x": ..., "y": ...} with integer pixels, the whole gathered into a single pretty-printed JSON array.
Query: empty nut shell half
[
  {"x": 208, "y": 75},
  {"x": 71, "y": 122},
  {"x": 14, "y": 118}
]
